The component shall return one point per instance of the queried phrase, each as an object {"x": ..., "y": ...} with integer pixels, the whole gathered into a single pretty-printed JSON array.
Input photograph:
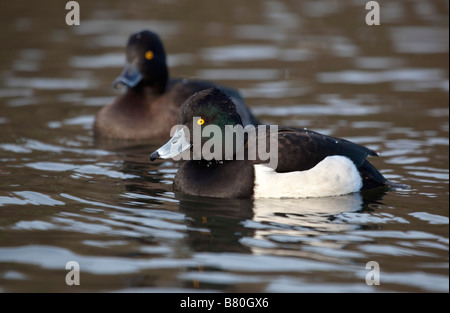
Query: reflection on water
[{"x": 314, "y": 64}]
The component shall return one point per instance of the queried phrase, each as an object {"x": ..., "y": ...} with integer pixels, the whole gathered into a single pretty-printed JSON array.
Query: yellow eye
[
  {"x": 200, "y": 121},
  {"x": 149, "y": 55}
]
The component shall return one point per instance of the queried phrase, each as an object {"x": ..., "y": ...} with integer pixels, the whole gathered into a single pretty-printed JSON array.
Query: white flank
[{"x": 334, "y": 176}]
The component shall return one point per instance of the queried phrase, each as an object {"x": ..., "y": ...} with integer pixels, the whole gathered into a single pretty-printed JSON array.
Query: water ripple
[
  {"x": 50, "y": 257},
  {"x": 82, "y": 169},
  {"x": 430, "y": 218},
  {"x": 29, "y": 197}
]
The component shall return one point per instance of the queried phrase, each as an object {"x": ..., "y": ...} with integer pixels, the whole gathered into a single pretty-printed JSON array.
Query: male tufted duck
[
  {"x": 309, "y": 164},
  {"x": 149, "y": 107}
]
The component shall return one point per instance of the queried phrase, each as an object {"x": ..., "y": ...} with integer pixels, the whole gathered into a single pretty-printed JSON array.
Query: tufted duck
[{"x": 150, "y": 105}]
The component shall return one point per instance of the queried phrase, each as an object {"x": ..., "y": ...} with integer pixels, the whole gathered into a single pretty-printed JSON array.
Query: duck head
[
  {"x": 145, "y": 62},
  {"x": 205, "y": 122}
]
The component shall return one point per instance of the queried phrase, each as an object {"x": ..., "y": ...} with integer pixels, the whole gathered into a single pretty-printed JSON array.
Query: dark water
[{"x": 315, "y": 64}]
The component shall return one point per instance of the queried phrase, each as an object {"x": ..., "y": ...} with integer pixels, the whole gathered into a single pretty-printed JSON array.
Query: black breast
[{"x": 227, "y": 179}]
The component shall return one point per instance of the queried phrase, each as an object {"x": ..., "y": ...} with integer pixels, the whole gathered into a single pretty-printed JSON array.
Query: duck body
[
  {"x": 309, "y": 164},
  {"x": 142, "y": 113},
  {"x": 149, "y": 107}
]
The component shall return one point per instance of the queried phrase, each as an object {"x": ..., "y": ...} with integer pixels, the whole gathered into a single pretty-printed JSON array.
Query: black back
[{"x": 301, "y": 150}]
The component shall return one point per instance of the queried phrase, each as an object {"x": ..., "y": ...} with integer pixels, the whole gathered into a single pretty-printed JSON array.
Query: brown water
[{"x": 315, "y": 64}]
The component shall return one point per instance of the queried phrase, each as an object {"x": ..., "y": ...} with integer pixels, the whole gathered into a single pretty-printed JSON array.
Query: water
[{"x": 65, "y": 197}]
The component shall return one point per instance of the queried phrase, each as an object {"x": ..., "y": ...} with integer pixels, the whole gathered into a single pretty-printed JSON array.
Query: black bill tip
[{"x": 155, "y": 155}]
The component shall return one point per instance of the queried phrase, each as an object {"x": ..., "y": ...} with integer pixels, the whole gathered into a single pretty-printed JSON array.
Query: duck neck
[
  {"x": 150, "y": 91},
  {"x": 151, "y": 87}
]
